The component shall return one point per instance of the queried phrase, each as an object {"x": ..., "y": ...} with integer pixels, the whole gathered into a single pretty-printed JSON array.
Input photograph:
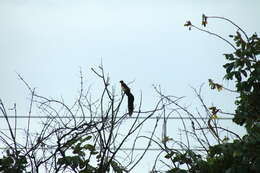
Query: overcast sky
[{"x": 47, "y": 41}]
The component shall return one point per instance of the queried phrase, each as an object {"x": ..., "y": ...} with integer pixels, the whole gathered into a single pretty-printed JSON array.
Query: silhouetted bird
[
  {"x": 130, "y": 96},
  {"x": 124, "y": 87}
]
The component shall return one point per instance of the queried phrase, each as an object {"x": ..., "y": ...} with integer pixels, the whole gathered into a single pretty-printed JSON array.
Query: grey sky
[{"x": 46, "y": 41}]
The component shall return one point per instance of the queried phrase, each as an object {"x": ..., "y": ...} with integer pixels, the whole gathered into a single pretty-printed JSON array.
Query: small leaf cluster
[
  {"x": 236, "y": 157},
  {"x": 188, "y": 158},
  {"x": 79, "y": 160},
  {"x": 204, "y": 21},
  {"x": 13, "y": 162},
  {"x": 215, "y": 85},
  {"x": 244, "y": 67},
  {"x": 214, "y": 112},
  {"x": 82, "y": 154},
  {"x": 240, "y": 155}
]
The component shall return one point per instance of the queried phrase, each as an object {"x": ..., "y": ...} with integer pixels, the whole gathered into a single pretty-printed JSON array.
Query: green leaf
[
  {"x": 94, "y": 152},
  {"x": 256, "y": 165},
  {"x": 176, "y": 170},
  {"x": 229, "y": 67},
  {"x": 229, "y": 56},
  {"x": 248, "y": 64},
  {"x": 85, "y": 139},
  {"x": 61, "y": 161},
  {"x": 229, "y": 76},
  {"x": 77, "y": 148},
  {"x": 71, "y": 142},
  {"x": 244, "y": 73},
  {"x": 169, "y": 155},
  {"x": 89, "y": 147},
  {"x": 116, "y": 167},
  {"x": 85, "y": 171},
  {"x": 238, "y": 76}
]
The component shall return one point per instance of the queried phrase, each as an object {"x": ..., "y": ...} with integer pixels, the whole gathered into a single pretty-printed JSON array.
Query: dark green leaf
[
  {"x": 229, "y": 67},
  {"x": 89, "y": 147},
  {"x": 238, "y": 76},
  {"x": 85, "y": 139},
  {"x": 244, "y": 73},
  {"x": 116, "y": 167},
  {"x": 169, "y": 155}
]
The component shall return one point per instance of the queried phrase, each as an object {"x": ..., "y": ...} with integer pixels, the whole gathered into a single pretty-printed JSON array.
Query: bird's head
[{"x": 121, "y": 81}]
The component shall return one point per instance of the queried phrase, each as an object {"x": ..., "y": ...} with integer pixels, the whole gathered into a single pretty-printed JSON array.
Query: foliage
[
  {"x": 13, "y": 163},
  {"x": 241, "y": 155},
  {"x": 78, "y": 161},
  {"x": 78, "y": 145},
  {"x": 85, "y": 137}
]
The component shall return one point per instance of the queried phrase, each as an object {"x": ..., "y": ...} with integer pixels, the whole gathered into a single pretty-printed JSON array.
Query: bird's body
[
  {"x": 130, "y": 96},
  {"x": 124, "y": 87},
  {"x": 130, "y": 103}
]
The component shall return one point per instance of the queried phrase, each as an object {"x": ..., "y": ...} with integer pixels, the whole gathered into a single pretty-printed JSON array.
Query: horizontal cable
[
  {"x": 88, "y": 117},
  {"x": 124, "y": 149}
]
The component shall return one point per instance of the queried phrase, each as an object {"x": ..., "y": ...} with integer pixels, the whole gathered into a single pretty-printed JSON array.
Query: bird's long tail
[{"x": 130, "y": 103}]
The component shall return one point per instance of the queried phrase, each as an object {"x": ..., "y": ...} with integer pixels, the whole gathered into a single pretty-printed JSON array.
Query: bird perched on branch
[{"x": 130, "y": 96}]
